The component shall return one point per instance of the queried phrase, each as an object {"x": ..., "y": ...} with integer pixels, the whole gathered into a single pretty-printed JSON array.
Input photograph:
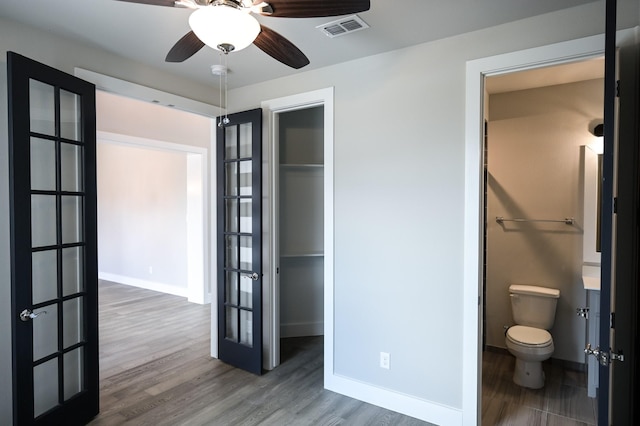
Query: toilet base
[{"x": 528, "y": 374}]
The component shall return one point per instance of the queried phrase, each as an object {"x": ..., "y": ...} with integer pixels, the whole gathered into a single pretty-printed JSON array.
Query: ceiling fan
[{"x": 228, "y": 25}]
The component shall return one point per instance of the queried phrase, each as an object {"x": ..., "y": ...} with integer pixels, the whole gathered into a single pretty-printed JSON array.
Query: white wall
[
  {"x": 142, "y": 210},
  {"x": 536, "y": 171}
]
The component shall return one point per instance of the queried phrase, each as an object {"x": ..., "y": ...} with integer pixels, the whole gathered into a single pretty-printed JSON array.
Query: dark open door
[
  {"x": 625, "y": 339},
  {"x": 607, "y": 212},
  {"x": 618, "y": 341},
  {"x": 53, "y": 244},
  {"x": 239, "y": 207}
]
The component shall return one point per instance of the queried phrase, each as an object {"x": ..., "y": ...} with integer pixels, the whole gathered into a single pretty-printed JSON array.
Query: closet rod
[{"x": 566, "y": 220}]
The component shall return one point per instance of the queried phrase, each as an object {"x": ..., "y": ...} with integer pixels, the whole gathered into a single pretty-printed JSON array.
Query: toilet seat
[{"x": 529, "y": 336}]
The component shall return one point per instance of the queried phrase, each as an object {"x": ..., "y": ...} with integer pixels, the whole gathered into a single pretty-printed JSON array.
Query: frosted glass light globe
[{"x": 217, "y": 26}]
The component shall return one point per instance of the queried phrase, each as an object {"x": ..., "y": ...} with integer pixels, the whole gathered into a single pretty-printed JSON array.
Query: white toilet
[{"x": 534, "y": 311}]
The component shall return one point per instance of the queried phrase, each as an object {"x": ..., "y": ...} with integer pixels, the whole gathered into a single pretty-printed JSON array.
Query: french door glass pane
[
  {"x": 71, "y": 169},
  {"x": 246, "y": 326},
  {"x": 246, "y": 291},
  {"x": 232, "y": 324},
  {"x": 43, "y": 164},
  {"x": 69, "y": 115},
  {"x": 71, "y": 219},
  {"x": 246, "y": 225},
  {"x": 73, "y": 377},
  {"x": 245, "y": 177},
  {"x": 42, "y": 108},
  {"x": 245, "y": 140},
  {"x": 45, "y": 386},
  {"x": 232, "y": 288},
  {"x": 246, "y": 253},
  {"x": 45, "y": 332},
  {"x": 44, "y": 275},
  {"x": 230, "y": 143},
  {"x": 231, "y": 183},
  {"x": 72, "y": 322},
  {"x": 231, "y": 215},
  {"x": 72, "y": 261},
  {"x": 231, "y": 258},
  {"x": 43, "y": 220}
]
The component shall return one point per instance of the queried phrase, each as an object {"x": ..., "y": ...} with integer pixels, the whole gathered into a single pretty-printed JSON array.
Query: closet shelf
[
  {"x": 301, "y": 166},
  {"x": 294, "y": 255}
]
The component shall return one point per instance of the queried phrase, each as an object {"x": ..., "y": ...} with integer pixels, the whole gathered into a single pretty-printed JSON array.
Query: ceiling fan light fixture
[{"x": 223, "y": 26}]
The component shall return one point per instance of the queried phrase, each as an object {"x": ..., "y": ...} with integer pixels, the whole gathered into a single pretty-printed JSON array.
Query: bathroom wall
[{"x": 535, "y": 171}]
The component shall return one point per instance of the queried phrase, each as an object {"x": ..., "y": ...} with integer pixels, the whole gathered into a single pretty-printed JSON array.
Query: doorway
[
  {"x": 539, "y": 124},
  {"x": 477, "y": 71},
  {"x": 298, "y": 177}
]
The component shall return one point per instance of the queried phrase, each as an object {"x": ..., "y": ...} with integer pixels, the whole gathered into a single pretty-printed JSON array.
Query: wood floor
[
  {"x": 562, "y": 401},
  {"x": 155, "y": 369}
]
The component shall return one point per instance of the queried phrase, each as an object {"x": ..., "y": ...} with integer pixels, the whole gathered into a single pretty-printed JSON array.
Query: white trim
[
  {"x": 149, "y": 285},
  {"x": 477, "y": 70},
  {"x": 270, "y": 176},
  {"x": 144, "y": 93},
  {"x": 197, "y": 270},
  {"x": 395, "y": 401}
]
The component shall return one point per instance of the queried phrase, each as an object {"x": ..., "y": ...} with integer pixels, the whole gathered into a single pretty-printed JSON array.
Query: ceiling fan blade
[
  {"x": 169, "y": 3},
  {"x": 280, "y": 49},
  {"x": 185, "y": 48},
  {"x": 315, "y": 8}
]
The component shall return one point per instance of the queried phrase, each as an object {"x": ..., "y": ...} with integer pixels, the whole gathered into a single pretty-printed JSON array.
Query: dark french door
[
  {"x": 239, "y": 212},
  {"x": 53, "y": 244},
  {"x": 619, "y": 372}
]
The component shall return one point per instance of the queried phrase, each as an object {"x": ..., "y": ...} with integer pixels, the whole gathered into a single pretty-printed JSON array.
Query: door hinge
[
  {"x": 583, "y": 312},
  {"x": 617, "y": 88},
  {"x": 615, "y": 205},
  {"x": 612, "y": 320},
  {"x": 604, "y": 358}
]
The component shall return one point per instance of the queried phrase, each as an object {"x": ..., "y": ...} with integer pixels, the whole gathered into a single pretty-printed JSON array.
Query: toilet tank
[{"x": 534, "y": 306}]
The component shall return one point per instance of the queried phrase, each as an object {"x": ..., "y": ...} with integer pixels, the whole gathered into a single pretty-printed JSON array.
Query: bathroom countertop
[
  {"x": 591, "y": 277},
  {"x": 591, "y": 283}
]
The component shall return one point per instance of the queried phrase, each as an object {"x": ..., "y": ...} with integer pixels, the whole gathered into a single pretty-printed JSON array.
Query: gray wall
[
  {"x": 536, "y": 171},
  {"x": 5, "y": 277}
]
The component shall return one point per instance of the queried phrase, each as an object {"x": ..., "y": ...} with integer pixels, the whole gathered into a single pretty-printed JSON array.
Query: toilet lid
[{"x": 529, "y": 336}]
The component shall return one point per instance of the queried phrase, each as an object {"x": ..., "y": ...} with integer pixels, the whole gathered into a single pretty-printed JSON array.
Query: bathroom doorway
[{"x": 538, "y": 123}]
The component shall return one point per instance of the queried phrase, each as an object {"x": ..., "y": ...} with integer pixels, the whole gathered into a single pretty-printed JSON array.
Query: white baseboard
[
  {"x": 300, "y": 329},
  {"x": 149, "y": 285},
  {"x": 401, "y": 403}
]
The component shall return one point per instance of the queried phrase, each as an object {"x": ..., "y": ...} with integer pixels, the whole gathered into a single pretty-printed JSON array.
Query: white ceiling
[
  {"x": 548, "y": 76},
  {"x": 146, "y": 33}
]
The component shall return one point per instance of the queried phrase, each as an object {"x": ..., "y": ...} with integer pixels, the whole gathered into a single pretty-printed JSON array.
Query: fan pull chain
[
  {"x": 221, "y": 71},
  {"x": 226, "y": 89},
  {"x": 220, "y": 92}
]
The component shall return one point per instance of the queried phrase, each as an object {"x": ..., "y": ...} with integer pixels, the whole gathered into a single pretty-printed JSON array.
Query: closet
[{"x": 301, "y": 221}]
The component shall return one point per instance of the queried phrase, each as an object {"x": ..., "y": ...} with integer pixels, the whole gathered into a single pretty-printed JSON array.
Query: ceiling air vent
[{"x": 343, "y": 26}]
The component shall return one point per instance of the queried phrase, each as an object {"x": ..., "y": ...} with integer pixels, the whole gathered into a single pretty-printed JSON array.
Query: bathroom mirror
[{"x": 592, "y": 198}]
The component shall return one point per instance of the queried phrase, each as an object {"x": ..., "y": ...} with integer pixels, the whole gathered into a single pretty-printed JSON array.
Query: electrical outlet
[{"x": 384, "y": 360}]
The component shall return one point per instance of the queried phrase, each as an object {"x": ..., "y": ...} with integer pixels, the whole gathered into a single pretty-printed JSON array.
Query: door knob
[
  {"x": 253, "y": 276},
  {"x": 28, "y": 315}
]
